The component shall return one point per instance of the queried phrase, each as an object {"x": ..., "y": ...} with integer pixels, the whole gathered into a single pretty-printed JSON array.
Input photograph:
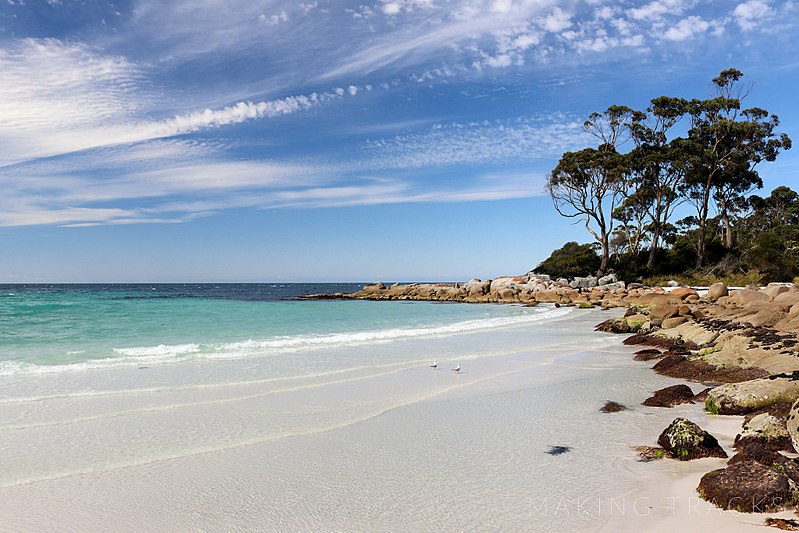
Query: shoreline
[
  {"x": 741, "y": 344},
  {"x": 413, "y": 443},
  {"x": 427, "y": 449}
]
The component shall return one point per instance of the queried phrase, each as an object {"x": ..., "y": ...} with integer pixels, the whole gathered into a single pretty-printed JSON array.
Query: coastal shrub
[
  {"x": 775, "y": 253},
  {"x": 570, "y": 261},
  {"x": 707, "y": 277}
]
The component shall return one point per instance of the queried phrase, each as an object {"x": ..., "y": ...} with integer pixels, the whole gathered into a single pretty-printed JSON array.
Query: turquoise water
[
  {"x": 67, "y": 326},
  {"x": 243, "y": 407}
]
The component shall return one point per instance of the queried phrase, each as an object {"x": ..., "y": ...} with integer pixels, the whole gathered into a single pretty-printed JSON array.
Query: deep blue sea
[{"x": 69, "y": 327}]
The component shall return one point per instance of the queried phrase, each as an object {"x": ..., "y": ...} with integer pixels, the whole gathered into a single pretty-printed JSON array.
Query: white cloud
[
  {"x": 686, "y": 28},
  {"x": 173, "y": 182},
  {"x": 657, "y": 9},
  {"x": 521, "y": 139},
  {"x": 86, "y": 188},
  {"x": 393, "y": 7},
  {"x": 57, "y": 98},
  {"x": 48, "y": 82},
  {"x": 752, "y": 13},
  {"x": 557, "y": 21},
  {"x": 274, "y": 19}
]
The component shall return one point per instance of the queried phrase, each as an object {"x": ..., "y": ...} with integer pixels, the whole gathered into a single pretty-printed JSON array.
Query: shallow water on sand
[{"x": 355, "y": 435}]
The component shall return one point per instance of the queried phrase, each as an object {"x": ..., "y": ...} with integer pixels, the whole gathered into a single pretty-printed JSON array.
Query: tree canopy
[{"x": 702, "y": 153}]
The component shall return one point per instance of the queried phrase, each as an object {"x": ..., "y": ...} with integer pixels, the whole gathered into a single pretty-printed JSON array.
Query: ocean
[{"x": 190, "y": 407}]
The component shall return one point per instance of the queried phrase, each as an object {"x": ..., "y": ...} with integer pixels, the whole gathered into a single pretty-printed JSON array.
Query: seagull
[
  {"x": 434, "y": 365},
  {"x": 457, "y": 368}
]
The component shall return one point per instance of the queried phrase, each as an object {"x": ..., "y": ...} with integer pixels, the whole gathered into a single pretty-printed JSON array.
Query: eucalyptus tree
[
  {"x": 724, "y": 145},
  {"x": 657, "y": 164},
  {"x": 587, "y": 185},
  {"x": 632, "y": 217}
]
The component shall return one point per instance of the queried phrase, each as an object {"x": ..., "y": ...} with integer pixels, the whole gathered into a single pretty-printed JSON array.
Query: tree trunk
[
  {"x": 652, "y": 251},
  {"x": 603, "y": 265},
  {"x": 700, "y": 245},
  {"x": 727, "y": 230}
]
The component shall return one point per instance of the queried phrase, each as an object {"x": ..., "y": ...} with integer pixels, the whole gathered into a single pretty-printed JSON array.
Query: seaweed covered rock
[
  {"x": 695, "y": 368},
  {"x": 757, "y": 451},
  {"x": 684, "y": 440},
  {"x": 647, "y": 354},
  {"x": 748, "y": 487},
  {"x": 670, "y": 396},
  {"x": 627, "y": 324},
  {"x": 612, "y": 407}
]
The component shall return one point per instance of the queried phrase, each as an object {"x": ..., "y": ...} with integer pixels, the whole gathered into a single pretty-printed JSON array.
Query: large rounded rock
[
  {"x": 673, "y": 322},
  {"x": 747, "y": 296},
  {"x": 766, "y": 429},
  {"x": 683, "y": 292},
  {"x": 716, "y": 291},
  {"x": 775, "y": 289},
  {"x": 660, "y": 312},
  {"x": 757, "y": 451},
  {"x": 749, "y": 487},
  {"x": 684, "y": 440},
  {"x": 748, "y": 396},
  {"x": 476, "y": 287},
  {"x": 607, "y": 280},
  {"x": 583, "y": 283}
]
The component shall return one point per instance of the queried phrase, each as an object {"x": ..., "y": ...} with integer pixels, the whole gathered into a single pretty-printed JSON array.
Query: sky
[{"x": 247, "y": 141}]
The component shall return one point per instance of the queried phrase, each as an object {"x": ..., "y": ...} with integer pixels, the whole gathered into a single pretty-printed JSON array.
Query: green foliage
[
  {"x": 711, "y": 407},
  {"x": 587, "y": 185},
  {"x": 775, "y": 253},
  {"x": 706, "y": 277},
  {"x": 569, "y": 261},
  {"x": 769, "y": 236},
  {"x": 626, "y": 200}
]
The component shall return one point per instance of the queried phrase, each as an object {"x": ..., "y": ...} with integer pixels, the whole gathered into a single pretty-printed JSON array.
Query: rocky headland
[{"x": 741, "y": 344}]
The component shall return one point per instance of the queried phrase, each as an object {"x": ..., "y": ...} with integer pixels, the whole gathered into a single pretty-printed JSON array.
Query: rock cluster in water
[{"x": 530, "y": 288}]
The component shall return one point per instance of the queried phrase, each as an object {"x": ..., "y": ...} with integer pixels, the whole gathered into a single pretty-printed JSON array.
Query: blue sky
[{"x": 210, "y": 140}]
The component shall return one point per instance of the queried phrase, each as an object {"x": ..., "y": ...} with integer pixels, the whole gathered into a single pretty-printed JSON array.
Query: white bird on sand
[
  {"x": 457, "y": 368},
  {"x": 434, "y": 365}
]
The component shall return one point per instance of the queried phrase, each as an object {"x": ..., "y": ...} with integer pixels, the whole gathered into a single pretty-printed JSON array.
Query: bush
[
  {"x": 569, "y": 261},
  {"x": 774, "y": 254}
]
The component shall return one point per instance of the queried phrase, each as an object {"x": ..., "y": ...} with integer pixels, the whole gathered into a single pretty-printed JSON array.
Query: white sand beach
[{"x": 374, "y": 440}]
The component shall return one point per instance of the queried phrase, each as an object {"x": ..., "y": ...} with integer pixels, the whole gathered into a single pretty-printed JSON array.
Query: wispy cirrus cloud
[
  {"x": 474, "y": 143},
  {"x": 58, "y": 97},
  {"x": 87, "y": 188},
  {"x": 89, "y": 130}
]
